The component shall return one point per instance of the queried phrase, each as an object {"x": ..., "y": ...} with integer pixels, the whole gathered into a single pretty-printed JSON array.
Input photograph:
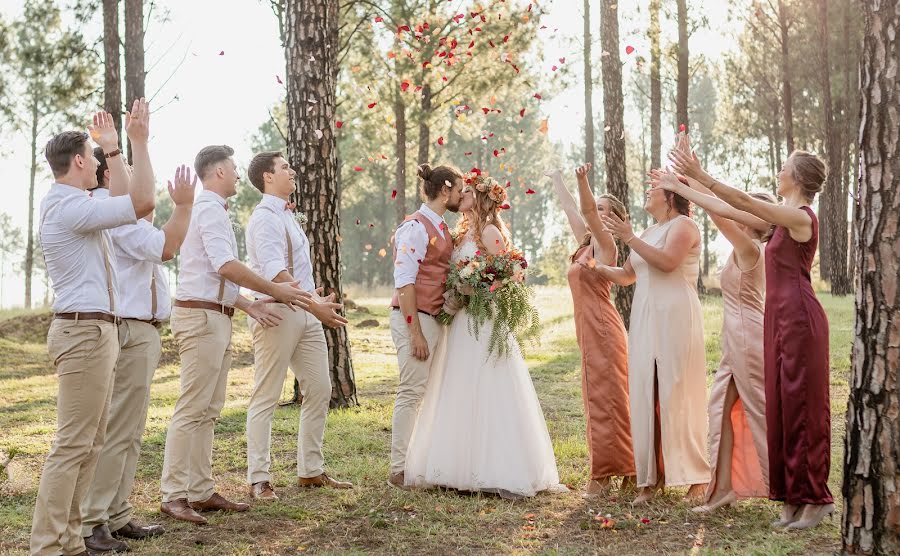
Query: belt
[
  {"x": 152, "y": 322},
  {"x": 208, "y": 305},
  {"x": 418, "y": 311},
  {"x": 88, "y": 316}
]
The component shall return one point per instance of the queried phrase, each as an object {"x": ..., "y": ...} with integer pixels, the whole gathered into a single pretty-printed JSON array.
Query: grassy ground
[{"x": 372, "y": 517}]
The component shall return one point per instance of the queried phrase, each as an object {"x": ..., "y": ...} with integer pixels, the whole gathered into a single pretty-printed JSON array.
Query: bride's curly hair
[{"x": 490, "y": 199}]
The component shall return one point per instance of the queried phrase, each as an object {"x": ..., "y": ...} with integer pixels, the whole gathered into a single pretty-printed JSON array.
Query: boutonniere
[{"x": 301, "y": 218}]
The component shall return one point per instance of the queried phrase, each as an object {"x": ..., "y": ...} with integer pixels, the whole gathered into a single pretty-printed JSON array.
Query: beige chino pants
[
  {"x": 297, "y": 342},
  {"x": 413, "y": 379},
  {"x": 204, "y": 345},
  {"x": 84, "y": 353},
  {"x": 106, "y": 502}
]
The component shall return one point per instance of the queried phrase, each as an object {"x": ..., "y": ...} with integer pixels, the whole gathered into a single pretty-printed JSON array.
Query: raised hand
[
  {"x": 582, "y": 171},
  {"x": 261, "y": 311},
  {"x": 182, "y": 192},
  {"x": 664, "y": 180},
  {"x": 103, "y": 132},
  {"x": 553, "y": 173},
  {"x": 137, "y": 122},
  {"x": 617, "y": 227},
  {"x": 688, "y": 165}
]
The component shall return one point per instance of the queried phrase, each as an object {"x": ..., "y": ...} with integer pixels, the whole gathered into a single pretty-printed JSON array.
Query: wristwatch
[{"x": 116, "y": 152}]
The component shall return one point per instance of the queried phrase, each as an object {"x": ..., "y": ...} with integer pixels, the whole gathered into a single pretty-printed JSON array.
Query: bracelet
[
  {"x": 116, "y": 152},
  {"x": 630, "y": 240},
  {"x": 712, "y": 184}
]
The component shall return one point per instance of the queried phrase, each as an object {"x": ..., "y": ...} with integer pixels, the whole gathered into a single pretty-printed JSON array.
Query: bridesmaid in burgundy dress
[
  {"x": 601, "y": 336},
  {"x": 798, "y": 411}
]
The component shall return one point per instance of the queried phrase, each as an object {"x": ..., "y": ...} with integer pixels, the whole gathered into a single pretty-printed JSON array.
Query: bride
[{"x": 480, "y": 427}]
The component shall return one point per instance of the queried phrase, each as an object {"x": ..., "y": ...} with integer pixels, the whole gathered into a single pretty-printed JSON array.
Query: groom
[{"x": 422, "y": 247}]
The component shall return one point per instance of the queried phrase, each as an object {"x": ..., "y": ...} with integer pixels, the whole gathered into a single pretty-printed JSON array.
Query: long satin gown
[
  {"x": 604, "y": 370},
  {"x": 798, "y": 410},
  {"x": 742, "y": 362},
  {"x": 666, "y": 334}
]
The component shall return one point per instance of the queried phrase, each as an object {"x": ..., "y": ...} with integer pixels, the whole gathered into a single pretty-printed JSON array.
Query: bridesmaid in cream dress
[
  {"x": 737, "y": 405},
  {"x": 666, "y": 353}
]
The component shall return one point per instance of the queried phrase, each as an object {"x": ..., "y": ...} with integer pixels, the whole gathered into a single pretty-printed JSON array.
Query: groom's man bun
[{"x": 433, "y": 179}]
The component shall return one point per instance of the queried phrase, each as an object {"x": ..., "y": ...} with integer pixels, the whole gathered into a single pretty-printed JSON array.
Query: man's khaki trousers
[
  {"x": 106, "y": 502},
  {"x": 413, "y": 378},
  {"x": 204, "y": 345},
  {"x": 297, "y": 342},
  {"x": 84, "y": 353}
]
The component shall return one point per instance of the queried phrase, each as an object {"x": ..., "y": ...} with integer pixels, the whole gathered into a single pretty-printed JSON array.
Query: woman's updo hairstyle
[
  {"x": 809, "y": 171},
  {"x": 433, "y": 179},
  {"x": 678, "y": 203}
]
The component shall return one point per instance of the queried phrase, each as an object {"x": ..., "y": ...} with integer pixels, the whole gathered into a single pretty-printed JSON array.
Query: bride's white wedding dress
[{"x": 480, "y": 427}]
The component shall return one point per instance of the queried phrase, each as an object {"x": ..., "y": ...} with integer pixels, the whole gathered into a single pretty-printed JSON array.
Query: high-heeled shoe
[
  {"x": 789, "y": 514},
  {"x": 813, "y": 515},
  {"x": 729, "y": 499}
]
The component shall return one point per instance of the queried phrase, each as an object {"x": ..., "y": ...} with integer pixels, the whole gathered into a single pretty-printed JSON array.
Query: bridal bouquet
[{"x": 492, "y": 288}]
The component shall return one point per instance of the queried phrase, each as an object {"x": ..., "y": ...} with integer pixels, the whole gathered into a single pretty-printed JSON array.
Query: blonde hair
[{"x": 485, "y": 211}]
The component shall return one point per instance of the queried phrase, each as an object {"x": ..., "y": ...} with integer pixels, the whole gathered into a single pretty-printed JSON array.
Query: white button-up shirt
[
  {"x": 138, "y": 258},
  {"x": 72, "y": 229},
  {"x": 411, "y": 241},
  {"x": 267, "y": 243},
  {"x": 208, "y": 246}
]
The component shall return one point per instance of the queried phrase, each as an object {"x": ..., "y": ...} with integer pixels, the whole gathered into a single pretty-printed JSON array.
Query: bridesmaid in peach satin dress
[
  {"x": 601, "y": 337},
  {"x": 737, "y": 403}
]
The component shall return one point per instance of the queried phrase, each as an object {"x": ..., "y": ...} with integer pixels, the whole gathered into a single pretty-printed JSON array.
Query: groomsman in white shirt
[
  {"x": 279, "y": 251},
  {"x": 83, "y": 340},
  {"x": 139, "y": 251},
  {"x": 209, "y": 281}
]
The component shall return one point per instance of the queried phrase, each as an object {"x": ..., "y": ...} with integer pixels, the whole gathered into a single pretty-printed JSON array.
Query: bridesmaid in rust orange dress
[{"x": 601, "y": 336}]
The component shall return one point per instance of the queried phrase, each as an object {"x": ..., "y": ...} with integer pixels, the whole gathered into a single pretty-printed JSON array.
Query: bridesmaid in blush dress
[
  {"x": 737, "y": 403},
  {"x": 601, "y": 336},
  {"x": 798, "y": 411}
]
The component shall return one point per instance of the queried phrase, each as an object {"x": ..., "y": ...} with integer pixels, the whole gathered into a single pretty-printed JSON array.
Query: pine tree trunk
[
  {"x": 112, "y": 80},
  {"x": 614, "y": 134},
  {"x": 134, "y": 55},
  {"x": 787, "y": 99},
  {"x": 655, "y": 88},
  {"x": 311, "y": 49},
  {"x": 681, "y": 100},
  {"x": 826, "y": 199},
  {"x": 871, "y": 515},
  {"x": 424, "y": 126},
  {"x": 400, "y": 155},
  {"x": 29, "y": 241},
  {"x": 590, "y": 149}
]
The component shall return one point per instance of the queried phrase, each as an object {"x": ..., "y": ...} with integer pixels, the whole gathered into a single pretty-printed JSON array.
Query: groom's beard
[{"x": 453, "y": 207}]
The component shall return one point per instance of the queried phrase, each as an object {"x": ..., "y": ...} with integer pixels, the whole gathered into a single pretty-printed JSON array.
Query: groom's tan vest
[{"x": 434, "y": 268}]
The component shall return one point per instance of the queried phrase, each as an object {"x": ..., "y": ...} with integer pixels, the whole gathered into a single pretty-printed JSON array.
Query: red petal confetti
[
  {"x": 554, "y": 68},
  {"x": 530, "y": 191},
  {"x": 339, "y": 124},
  {"x": 645, "y": 520},
  {"x": 469, "y": 153},
  {"x": 440, "y": 140},
  {"x": 682, "y": 127},
  {"x": 394, "y": 194},
  {"x": 408, "y": 319},
  {"x": 562, "y": 60},
  {"x": 372, "y": 104},
  {"x": 537, "y": 96},
  {"x": 378, "y": 19},
  {"x": 505, "y": 206},
  {"x": 522, "y": 113},
  {"x": 404, "y": 86},
  {"x": 496, "y": 152},
  {"x": 221, "y": 53},
  {"x": 357, "y": 169},
  {"x": 278, "y": 78},
  {"x": 629, "y": 49},
  {"x": 403, "y": 28}
]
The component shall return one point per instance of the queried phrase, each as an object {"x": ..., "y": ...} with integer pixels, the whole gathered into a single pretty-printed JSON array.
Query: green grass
[{"x": 373, "y": 518}]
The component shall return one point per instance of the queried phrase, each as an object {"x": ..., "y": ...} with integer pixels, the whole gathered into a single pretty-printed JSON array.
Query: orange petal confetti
[
  {"x": 368, "y": 247},
  {"x": 544, "y": 126},
  {"x": 382, "y": 253},
  {"x": 433, "y": 240}
]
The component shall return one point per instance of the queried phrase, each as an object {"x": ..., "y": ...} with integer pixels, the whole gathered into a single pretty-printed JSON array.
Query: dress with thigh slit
[
  {"x": 666, "y": 334},
  {"x": 742, "y": 362}
]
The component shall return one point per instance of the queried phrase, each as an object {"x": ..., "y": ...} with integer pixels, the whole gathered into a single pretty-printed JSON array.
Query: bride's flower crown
[{"x": 487, "y": 184}]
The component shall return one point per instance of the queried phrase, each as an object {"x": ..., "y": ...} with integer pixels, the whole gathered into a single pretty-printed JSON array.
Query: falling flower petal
[
  {"x": 682, "y": 127},
  {"x": 382, "y": 252},
  {"x": 378, "y": 19},
  {"x": 372, "y": 104},
  {"x": 530, "y": 191},
  {"x": 221, "y": 53},
  {"x": 440, "y": 140},
  {"x": 357, "y": 169},
  {"x": 394, "y": 194},
  {"x": 544, "y": 126},
  {"x": 629, "y": 49},
  {"x": 278, "y": 78},
  {"x": 339, "y": 124}
]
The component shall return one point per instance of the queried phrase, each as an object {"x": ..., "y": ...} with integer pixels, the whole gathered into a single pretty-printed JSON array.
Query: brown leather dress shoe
[
  {"x": 398, "y": 480},
  {"x": 322, "y": 480},
  {"x": 136, "y": 531},
  {"x": 180, "y": 509},
  {"x": 217, "y": 502},
  {"x": 263, "y": 491},
  {"x": 101, "y": 541}
]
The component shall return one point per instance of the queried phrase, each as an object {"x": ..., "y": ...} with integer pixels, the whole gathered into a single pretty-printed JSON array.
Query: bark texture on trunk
[
  {"x": 871, "y": 489},
  {"x": 681, "y": 101},
  {"x": 29, "y": 241},
  {"x": 112, "y": 79},
  {"x": 400, "y": 154},
  {"x": 787, "y": 97},
  {"x": 655, "y": 88},
  {"x": 590, "y": 152},
  {"x": 311, "y": 50},
  {"x": 425, "y": 125},
  {"x": 614, "y": 134},
  {"x": 135, "y": 73}
]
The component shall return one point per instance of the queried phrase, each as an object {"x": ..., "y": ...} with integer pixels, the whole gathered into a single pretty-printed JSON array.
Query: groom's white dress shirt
[
  {"x": 267, "y": 243},
  {"x": 72, "y": 231},
  {"x": 411, "y": 240},
  {"x": 209, "y": 245}
]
